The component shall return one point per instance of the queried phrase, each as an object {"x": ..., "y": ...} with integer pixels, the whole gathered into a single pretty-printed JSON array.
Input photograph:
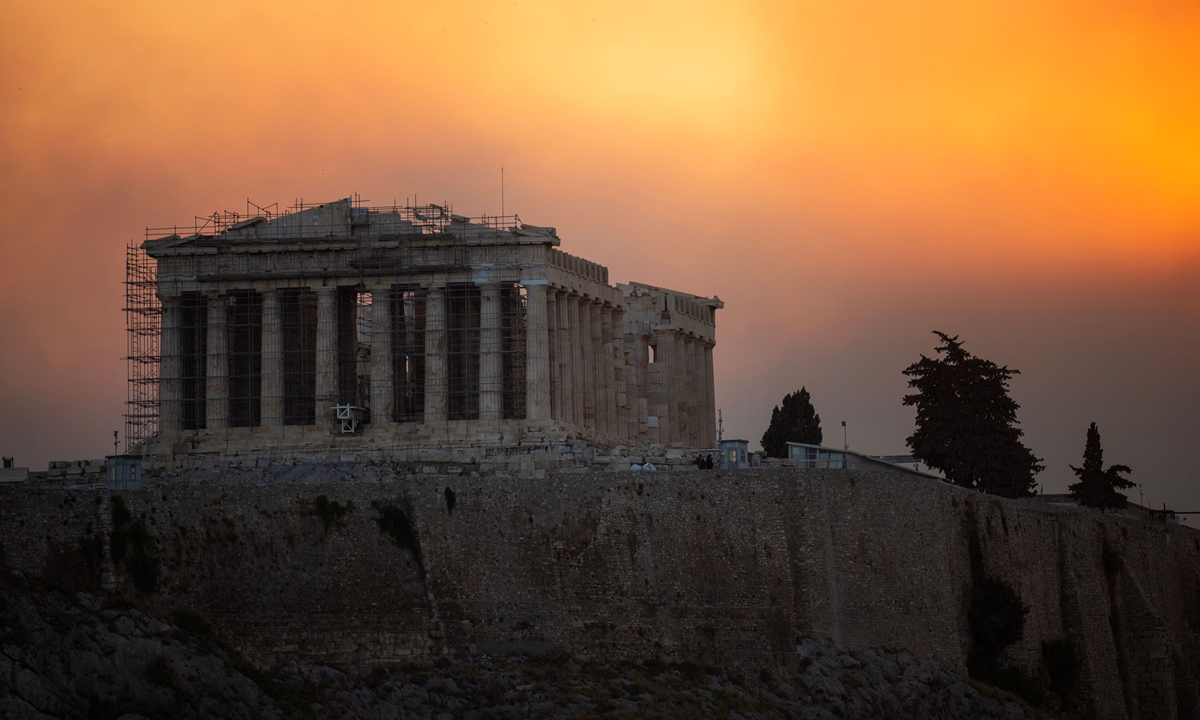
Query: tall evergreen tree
[
  {"x": 1098, "y": 487},
  {"x": 796, "y": 421},
  {"x": 967, "y": 423}
]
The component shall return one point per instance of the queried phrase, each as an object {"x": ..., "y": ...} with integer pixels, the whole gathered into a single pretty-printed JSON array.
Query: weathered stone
[{"x": 473, "y": 333}]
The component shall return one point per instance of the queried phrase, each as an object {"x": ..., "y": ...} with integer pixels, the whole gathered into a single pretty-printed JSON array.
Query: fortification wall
[{"x": 725, "y": 568}]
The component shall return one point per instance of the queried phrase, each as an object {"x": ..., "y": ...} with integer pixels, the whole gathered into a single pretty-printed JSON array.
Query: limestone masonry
[
  {"x": 408, "y": 332},
  {"x": 723, "y": 567}
]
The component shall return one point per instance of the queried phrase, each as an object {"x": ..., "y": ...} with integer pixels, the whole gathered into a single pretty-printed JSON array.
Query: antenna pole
[{"x": 501, "y": 191}]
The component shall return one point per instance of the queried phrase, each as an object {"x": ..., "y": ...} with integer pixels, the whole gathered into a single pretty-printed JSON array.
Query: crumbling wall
[{"x": 719, "y": 567}]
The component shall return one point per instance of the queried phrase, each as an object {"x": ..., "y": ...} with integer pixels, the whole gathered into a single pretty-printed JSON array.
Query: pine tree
[
  {"x": 967, "y": 423},
  {"x": 1098, "y": 487},
  {"x": 796, "y": 421}
]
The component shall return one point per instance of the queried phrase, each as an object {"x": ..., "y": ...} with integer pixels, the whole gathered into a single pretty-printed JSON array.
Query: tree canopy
[
  {"x": 796, "y": 421},
  {"x": 967, "y": 423},
  {"x": 1097, "y": 487}
]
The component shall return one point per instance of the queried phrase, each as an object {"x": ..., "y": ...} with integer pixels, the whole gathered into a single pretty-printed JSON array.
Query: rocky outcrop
[
  {"x": 79, "y": 656},
  {"x": 827, "y": 682},
  {"x": 68, "y": 655}
]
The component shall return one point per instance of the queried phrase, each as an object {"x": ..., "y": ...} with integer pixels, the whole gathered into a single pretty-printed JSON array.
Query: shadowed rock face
[
  {"x": 75, "y": 656},
  {"x": 78, "y": 656}
]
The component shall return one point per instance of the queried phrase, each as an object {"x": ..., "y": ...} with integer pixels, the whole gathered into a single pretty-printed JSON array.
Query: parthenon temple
[{"x": 407, "y": 333}]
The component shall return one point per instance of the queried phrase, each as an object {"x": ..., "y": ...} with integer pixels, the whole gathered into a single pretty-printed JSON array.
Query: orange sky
[{"x": 846, "y": 175}]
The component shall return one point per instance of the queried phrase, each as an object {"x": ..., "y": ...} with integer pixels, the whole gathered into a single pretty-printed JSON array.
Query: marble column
[
  {"x": 537, "y": 351},
  {"x": 608, "y": 385},
  {"x": 435, "y": 355},
  {"x": 700, "y": 425},
  {"x": 566, "y": 402},
  {"x": 555, "y": 373},
  {"x": 272, "y": 360},
  {"x": 217, "y": 365},
  {"x": 589, "y": 351},
  {"x": 169, "y": 386},
  {"x": 637, "y": 382},
  {"x": 576, "y": 364},
  {"x": 679, "y": 409},
  {"x": 621, "y": 389},
  {"x": 491, "y": 378},
  {"x": 326, "y": 356},
  {"x": 692, "y": 406},
  {"x": 382, "y": 395},
  {"x": 562, "y": 358},
  {"x": 709, "y": 394},
  {"x": 665, "y": 362}
]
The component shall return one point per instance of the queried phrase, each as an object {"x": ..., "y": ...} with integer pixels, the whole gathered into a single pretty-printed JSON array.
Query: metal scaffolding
[
  {"x": 245, "y": 350},
  {"x": 143, "y": 323}
]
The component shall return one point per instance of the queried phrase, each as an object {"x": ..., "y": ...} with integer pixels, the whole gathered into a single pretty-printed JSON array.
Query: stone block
[{"x": 14, "y": 475}]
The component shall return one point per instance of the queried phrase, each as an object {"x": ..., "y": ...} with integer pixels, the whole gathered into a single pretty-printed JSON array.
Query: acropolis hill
[{"x": 728, "y": 568}]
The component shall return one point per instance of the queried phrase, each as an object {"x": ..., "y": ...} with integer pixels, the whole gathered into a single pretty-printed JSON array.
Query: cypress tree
[
  {"x": 1097, "y": 487},
  {"x": 967, "y": 423},
  {"x": 796, "y": 421}
]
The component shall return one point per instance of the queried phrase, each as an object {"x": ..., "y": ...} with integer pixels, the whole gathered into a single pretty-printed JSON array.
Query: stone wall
[{"x": 725, "y": 568}]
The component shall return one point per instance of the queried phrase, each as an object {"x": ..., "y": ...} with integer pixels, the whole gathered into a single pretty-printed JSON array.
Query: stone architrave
[
  {"x": 435, "y": 355},
  {"x": 326, "y": 379},
  {"x": 491, "y": 379},
  {"x": 216, "y": 365},
  {"x": 382, "y": 396},
  {"x": 537, "y": 352},
  {"x": 272, "y": 360}
]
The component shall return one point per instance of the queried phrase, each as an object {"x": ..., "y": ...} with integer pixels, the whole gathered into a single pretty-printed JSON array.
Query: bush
[
  {"x": 191, "y": 623},
  {"x": 395, "y": 522},
  {"x": 131, "y": 544},
  {"x": 451, "y": 500},
  {"x": 997, "y": 618},
  {"x": 1062, "y": 666},
  {"x": 331, "y": 513}
]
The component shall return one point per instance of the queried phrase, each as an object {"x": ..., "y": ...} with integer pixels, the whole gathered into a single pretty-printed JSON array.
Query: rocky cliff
[{"x": 719, "y": 568}]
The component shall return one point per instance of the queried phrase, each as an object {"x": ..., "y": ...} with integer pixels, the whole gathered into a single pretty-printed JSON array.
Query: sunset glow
[{"x": 846, "y": 176}]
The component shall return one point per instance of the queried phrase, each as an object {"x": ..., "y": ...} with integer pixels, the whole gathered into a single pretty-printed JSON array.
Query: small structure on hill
[
  {"x": 734, "y": 454},
  {"x": 405, "y": 333},
  {"x": 816, "y": 456}
]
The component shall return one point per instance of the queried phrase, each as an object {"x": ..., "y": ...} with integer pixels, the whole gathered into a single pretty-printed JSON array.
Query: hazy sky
[{"x": 847, "y": 176}]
